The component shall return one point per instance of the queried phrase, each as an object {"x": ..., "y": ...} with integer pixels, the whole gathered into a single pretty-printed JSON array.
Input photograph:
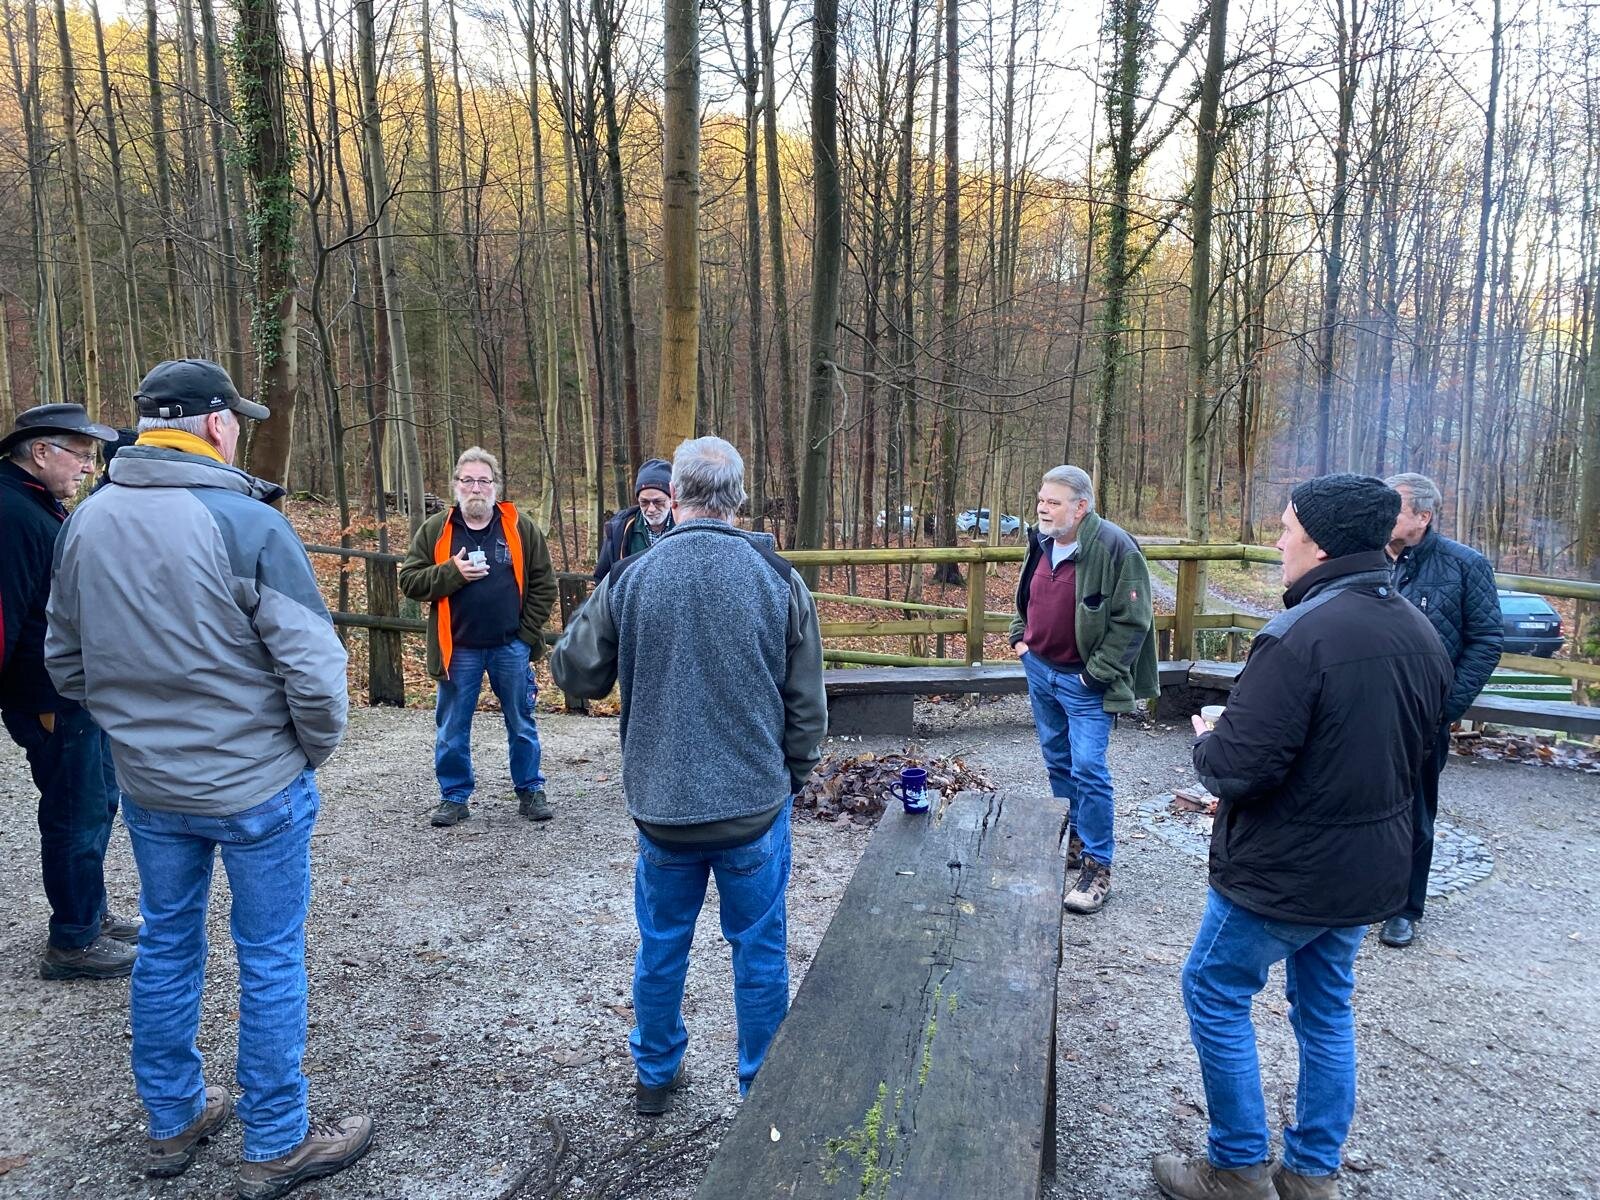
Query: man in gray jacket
[
  {"x": 184, "y": 616},
  {"x": 714, "y": 640}
]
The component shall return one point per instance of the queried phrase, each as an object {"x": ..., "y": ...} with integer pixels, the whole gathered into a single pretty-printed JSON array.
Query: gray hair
[
  {"x": 22, "y": 451},
  {"x": 194, "y": 425},
  {"x": 708, "y": 476},
  {"x": 1075, "y": 479},
  {"x": 477, "y": 454},
  {"x": 1425, "y": 494}
]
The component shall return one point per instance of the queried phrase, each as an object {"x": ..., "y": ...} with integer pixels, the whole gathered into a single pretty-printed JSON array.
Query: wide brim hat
[{"x": 56, "y": 418}]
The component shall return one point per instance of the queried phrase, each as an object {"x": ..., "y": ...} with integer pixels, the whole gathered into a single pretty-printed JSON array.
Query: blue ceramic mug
[{"x": 913, "y": 789}]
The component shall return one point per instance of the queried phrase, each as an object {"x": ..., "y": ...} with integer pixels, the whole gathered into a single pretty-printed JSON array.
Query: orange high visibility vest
[{"x": 442, "y": 555}]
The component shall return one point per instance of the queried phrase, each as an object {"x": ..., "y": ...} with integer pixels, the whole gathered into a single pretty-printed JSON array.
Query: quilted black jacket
[{"x": 1453, "y": 585}]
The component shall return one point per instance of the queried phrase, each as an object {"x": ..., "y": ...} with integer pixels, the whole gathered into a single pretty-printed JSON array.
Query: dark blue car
[{"x": 1531, "y": 625}]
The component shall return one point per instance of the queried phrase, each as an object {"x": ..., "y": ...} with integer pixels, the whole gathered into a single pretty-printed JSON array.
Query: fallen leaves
[{"x": 858, "y": 787}]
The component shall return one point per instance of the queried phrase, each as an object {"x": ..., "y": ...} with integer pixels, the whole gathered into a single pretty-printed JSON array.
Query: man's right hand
[
  {"x": 1021, "y": 648},
  {"x": 469, "y": 569}
]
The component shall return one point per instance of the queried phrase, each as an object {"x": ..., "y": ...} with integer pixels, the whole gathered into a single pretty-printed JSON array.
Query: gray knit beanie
[{"x": 656, "y": 473}]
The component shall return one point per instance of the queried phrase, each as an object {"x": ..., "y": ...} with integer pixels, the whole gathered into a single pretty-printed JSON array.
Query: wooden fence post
[
  {"x": 977, "y": 576},
  {"x": 1187, "y": 608}
]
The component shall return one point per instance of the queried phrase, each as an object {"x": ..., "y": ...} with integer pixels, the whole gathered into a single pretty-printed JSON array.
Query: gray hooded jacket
[{"x": 184, "y": 616}]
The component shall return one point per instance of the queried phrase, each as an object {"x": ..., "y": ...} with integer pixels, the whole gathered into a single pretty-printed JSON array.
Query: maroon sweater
[{"x": 1052, "y": 614}]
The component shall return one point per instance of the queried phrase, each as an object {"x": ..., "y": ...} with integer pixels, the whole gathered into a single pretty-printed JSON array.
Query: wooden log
[{"x": 918, "y": 1059}]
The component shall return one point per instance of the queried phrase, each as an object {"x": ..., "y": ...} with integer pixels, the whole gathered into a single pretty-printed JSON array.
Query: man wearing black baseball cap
[
  {"x": 1315, "y": 760},
  {"x": 43, "y": 461},
  {"x": 185, "y": 616}
]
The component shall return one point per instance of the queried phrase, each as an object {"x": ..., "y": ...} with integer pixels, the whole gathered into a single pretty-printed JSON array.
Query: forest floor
[{"x": 470, "y": 987}]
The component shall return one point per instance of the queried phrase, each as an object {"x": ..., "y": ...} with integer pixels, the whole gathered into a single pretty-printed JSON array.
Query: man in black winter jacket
[
  {"x": 44, "y": 461},
  {"x": 1315, "y": 760},
  {"x": 1453, "y": 586}
]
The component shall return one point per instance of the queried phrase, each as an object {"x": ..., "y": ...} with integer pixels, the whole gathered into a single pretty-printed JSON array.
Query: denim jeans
[
  {"x": 266, "y": 851},
  {"x": 669, "y": 886},
  {"x": 1425, "y": 811},
  {"x": 510, "y": 670},
  {"x": 1073, "y": 731},
  {"x": 71, "y": 767},
  {"x": 1227, "y": 967}
]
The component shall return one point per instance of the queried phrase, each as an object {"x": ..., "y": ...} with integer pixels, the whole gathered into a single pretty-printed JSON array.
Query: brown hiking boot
[
  {"x": 1074, "y": 851},
  {"x": 1089, "y": 894},
  {"x": 1196, "y": 1179},
  {"x": 1292, "y": 1185},
  {"x": 166, "y": 1157},
  {"x": 329, "y": 1148},
  {"x": 103, "y": 958},
  {"x": 653, "y": 1101}
]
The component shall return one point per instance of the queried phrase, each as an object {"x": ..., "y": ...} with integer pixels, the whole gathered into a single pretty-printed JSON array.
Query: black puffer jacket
[
  {"x": 31, "y": 518},
  {"x": 1453, "y": 585},
  {"x": 1318, "y": 752}
]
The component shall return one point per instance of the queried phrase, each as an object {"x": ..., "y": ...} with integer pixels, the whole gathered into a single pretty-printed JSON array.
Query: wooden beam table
[{"x": 918, "y": 1059}]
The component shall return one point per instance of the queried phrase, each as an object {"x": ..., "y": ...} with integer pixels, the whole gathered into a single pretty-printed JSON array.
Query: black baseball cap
[{"x": 192, "y": 387}]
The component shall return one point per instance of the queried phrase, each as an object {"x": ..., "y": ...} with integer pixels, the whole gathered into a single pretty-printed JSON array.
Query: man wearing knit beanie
[
  {"x": 634, "y": 530},
  {"x": 1315, "y": 761}
]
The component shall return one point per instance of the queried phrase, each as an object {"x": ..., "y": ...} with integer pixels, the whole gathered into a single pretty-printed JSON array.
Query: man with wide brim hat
[{"x": 43, "y": 462}]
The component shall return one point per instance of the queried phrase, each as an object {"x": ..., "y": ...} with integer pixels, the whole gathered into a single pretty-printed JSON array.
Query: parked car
[
  {"x": 907, "y": 518},
  {"x": 1531, "y": 625},
  {"x": 978, "y": 518}
]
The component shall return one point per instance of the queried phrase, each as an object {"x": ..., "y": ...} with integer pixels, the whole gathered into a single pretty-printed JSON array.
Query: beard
[{"x": 474, "y": 508}]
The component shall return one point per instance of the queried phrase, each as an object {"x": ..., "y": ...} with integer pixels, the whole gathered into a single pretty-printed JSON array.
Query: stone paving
[{"x": 1459, "y": 859}]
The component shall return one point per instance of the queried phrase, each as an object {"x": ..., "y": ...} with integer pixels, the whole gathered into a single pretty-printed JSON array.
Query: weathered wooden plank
[
  {"x": 918, "y": 1058},
  {"x": 1537, "y": 714}
]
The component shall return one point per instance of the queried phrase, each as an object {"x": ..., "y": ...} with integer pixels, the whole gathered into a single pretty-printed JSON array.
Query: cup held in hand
[
  {"x": 1211, "y": 714},
  {"x": 912, "y": 789}
]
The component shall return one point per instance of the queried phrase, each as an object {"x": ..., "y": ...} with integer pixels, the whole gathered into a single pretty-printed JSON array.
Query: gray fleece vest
[{"x": 702, "y": 635}]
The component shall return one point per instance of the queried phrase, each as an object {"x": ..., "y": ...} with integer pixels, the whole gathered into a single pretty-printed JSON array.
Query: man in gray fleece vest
[{"x": 714, "y": 640}]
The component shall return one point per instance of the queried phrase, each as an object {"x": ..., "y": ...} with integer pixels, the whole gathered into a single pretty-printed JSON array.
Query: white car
[
  {"x": 907, "y": 518},
  {"x": 978, "y": 518}
]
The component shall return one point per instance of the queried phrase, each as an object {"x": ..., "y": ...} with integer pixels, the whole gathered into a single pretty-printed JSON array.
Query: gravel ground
[{"x": 470, "y": 988}]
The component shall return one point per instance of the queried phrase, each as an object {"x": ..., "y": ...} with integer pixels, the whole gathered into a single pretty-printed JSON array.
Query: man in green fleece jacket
[{"x": 1085, "y": 634}]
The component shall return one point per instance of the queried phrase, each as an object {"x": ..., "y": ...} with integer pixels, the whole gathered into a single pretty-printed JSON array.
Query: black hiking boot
[{"x": 534, "y": 806}]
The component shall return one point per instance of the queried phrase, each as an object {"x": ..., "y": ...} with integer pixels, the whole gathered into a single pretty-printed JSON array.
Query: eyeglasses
[
  {"x": 474, "y": 484},
  {"x": 655, "y": 503},
  {"x": 86, "y": 457}
]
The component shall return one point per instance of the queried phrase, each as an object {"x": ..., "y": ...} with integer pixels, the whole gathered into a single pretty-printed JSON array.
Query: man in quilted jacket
[{"x": 1453, "y": 585}]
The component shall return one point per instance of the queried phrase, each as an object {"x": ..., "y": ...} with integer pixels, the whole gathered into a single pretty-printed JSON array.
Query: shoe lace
[
  {"x": 324, "y": 1130},
  {"x": 1086, "y": 875}
]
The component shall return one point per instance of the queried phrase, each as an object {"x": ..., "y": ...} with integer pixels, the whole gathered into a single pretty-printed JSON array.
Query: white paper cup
[{"x": 1211, "y": 714}]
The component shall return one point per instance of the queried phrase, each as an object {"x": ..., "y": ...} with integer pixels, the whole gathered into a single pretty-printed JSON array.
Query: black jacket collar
[
  {"x": 19, "y": 481},
  {"x": 1428, "y": 544},
  {"x": 1374, "y": 563}
]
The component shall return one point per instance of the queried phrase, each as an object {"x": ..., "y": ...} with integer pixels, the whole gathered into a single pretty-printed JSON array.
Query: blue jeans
[
  {"x": 669, "y": 886},
  {"x": 266, "y": 851},
  {"x": 71, "y": 767},
  {"x": 511, "y": 678},
  {"x": 1227, "y": 967},
  {"x": 1073, "y": 731}
]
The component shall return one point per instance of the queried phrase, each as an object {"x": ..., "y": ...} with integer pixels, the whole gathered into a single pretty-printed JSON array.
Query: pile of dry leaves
[
  {"x": 1537, "y": 748},
  {"x": 858, "y": 787}
]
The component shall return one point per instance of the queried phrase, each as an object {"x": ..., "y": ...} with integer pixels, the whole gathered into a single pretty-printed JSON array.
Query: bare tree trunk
[
  {"x": 1465, "y": 489},
  {"x": 164, "y": 199},
  {"x": 680, "y": 229},
  {"x": 950, "y": 291},
  {"x": 605, "y": 23},
  {"x": 752, "y": 266},
  {"x": 826, "y": 261},
  {"x": 440, "y": 367},
  {"x": 580, "y": 369},
  {"x": 1196, "y": 456},
  {"x": 80, "y": 221},
  {"x": 393, "y": 301},
  {"x": 130, "y": 278},
  {"x": 544, "y": 513},
  {"x": 232, "y": 338},
  {"x": 780, "y": 273},
  {"x": 1349, "y": 54},
  {"x": 268, "y": 149}
]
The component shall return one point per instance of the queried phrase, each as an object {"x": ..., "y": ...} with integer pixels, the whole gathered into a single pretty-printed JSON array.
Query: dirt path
[{"x": 468, "y": 984}]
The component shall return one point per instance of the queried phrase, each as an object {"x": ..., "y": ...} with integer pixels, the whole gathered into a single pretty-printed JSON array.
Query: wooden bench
[
  {"x": 882, "y": 699},
  {"x": 918, "y": 1059}
]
